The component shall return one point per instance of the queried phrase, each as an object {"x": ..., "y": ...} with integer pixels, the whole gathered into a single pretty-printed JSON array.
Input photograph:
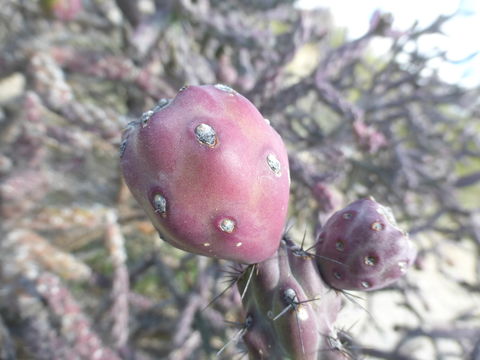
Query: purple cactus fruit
[
  {"x": 361, "y": 248},
  {"x": 211, "y": 174}
]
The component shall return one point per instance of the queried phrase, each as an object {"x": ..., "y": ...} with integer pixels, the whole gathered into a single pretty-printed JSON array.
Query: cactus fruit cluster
[
  {"x": 213, "y": 177},
  {"x": 64, "y": 10}
]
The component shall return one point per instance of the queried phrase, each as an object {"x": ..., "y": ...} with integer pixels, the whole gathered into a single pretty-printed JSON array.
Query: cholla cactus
[
  {"x": 64, "y": 10},
  {"x": 213, "y": 177}
]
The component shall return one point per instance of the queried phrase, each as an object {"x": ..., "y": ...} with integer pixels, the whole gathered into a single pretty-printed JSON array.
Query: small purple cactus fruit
[
  {"x": 211, "y": 174},
  {"x": 361, "y": 248}
]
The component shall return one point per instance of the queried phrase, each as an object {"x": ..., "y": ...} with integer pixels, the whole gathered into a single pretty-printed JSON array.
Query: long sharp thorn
[
  {"x": 248, "y": 282},
  {"x": 219, "y": 295},
  {"x": 352, "y": 298},
  {"x": 283, "y": 312}
]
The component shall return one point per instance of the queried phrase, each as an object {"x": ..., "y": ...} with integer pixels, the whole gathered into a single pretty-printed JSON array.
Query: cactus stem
[
  {"x": 206, "y": 135},
  {"x": 291, "y": 299}
]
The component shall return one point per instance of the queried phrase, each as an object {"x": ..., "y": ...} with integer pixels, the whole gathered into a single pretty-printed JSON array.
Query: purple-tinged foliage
[
  {"x": 361, "y": 248},
  {"x": 211, "y": 173}
]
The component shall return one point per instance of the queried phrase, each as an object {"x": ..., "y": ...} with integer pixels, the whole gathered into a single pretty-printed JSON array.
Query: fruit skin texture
[
  {"x": 211, "y": 174},
  {"x": 361, "y": 248}
]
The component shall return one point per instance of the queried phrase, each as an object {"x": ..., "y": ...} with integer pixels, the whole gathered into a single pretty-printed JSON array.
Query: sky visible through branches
[{"x": 459, "y": 40}]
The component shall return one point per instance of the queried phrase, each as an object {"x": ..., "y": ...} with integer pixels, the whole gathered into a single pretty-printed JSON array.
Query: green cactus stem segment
[
  {"x": 228, "y": 225},
  {"x": 291, "y": 300},
  {"x": 274, "y": 164},
  {"x": 293, "y": 310},
  {"x": 206, "y": 135}
]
